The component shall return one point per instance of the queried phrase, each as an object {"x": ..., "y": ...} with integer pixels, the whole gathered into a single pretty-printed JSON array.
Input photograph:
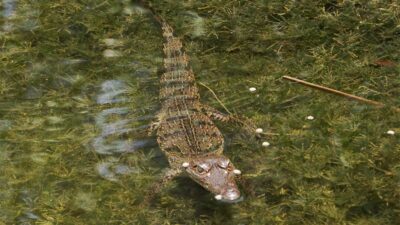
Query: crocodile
[{"x": 185, "y": 131}]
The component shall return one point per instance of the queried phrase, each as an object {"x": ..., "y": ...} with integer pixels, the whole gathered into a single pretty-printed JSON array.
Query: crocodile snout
[{"x": 231, "y": 194}]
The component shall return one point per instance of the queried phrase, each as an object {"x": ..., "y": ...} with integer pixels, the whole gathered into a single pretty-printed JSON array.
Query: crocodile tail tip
[{"x": 148, "y": 6}]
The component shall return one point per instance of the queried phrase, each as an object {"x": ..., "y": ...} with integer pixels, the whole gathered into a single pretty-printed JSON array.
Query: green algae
[{"x": 340, "y": 168}]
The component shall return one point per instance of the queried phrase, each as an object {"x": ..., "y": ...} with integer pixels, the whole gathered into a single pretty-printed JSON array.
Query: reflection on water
[
  {"x": 112, "y": 92},
  {"x": 115, "y": 129},
  {"x": 9, "y": 8},
  {"x": 8, "y": 13},
  {"x": 28, "y": 215},
  {"x": 111, "y": 169},
  {"x": 5, "y": 125},
  {"x": 71, "y": 120},
  {"x": 110, "y": 141}
]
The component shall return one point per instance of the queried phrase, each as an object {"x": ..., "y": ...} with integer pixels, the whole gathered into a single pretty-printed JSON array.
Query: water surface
[{"x": 78, "y": 89}]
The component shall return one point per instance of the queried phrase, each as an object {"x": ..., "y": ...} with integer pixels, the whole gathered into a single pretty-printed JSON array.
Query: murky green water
[{"x": 78, "y": 87}]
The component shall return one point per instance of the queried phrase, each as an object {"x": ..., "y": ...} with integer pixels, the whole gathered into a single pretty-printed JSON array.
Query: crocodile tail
[
  {"x": 167, "y": 29},
  {"x": 178, "y": 79},
  {"x": 147, "y": 5}
]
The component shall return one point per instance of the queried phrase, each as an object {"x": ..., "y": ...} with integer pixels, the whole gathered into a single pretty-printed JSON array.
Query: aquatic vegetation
[{"x": 56, "y": 88}]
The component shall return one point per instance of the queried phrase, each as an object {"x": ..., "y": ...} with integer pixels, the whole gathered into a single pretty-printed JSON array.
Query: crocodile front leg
[
  {"x": 158, "y": 186},
  {"x": 155, "y": 124},
  {"x": 217, "y": 115}
]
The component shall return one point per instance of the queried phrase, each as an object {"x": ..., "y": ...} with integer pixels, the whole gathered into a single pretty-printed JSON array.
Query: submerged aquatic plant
[{"x": 342, "y": 167}]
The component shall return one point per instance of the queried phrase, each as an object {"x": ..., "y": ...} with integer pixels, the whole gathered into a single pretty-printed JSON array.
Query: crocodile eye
[
  {"x": 223, "y": 164},
  {"x": 200, "y": 170}
]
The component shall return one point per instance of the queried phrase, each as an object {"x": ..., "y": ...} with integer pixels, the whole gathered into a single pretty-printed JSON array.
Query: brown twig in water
[{"x": 333, "y": 91}]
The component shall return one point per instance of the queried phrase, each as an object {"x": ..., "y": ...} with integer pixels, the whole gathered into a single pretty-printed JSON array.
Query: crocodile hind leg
[
  {"x": 155, "y": 124},
  {"x": 215, "y": 114}
]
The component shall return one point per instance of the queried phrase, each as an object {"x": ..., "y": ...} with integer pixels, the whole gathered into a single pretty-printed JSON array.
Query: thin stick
[
  {"x": 215, "y": 96},
  {"x": 333, "y": 91}
]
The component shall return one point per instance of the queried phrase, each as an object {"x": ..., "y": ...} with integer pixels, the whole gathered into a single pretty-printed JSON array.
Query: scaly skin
[{"x": 185, "y": 132}]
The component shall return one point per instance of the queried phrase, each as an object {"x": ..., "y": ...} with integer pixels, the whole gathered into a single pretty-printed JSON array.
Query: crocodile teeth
[
  {"x": 237, "y": 172},
  {"x": 218, "y": 197},
  {"x": 185, "y": 164}
]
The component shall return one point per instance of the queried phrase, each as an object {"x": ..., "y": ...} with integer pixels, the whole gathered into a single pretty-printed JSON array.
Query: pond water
[{"x": 79, "y": 88}]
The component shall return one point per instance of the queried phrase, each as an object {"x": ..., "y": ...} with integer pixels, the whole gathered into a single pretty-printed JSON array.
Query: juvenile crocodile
[{"x": 185, "y": 131}]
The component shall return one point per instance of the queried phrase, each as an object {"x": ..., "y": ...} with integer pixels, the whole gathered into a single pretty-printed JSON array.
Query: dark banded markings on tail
[
  {"x": 165, "y": 83},
  {"x": 174, "y": 44},
  {"x": 176, "y": 81},
  {"x": 169, "y": 100},
  {"x": 176, "y": 76},
  {"x": 172, "y": 91},
  {"x": 177, "y": 85},
  {"x": 180, "y": 60}
]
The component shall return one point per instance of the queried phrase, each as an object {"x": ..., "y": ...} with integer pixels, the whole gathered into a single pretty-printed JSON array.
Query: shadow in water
[{"x": 203, "y": 201}]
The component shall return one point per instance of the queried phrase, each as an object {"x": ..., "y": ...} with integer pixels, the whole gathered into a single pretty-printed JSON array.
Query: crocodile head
[{"x": 216, "y": 174}]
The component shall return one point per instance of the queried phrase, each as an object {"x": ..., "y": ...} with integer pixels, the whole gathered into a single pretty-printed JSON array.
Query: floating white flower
[
  {"x": 266, "y": 144},
  {"x": 252, "y": 89},
  {"x": 390, "y": 132},
  {"x": 259, "y": 130}
]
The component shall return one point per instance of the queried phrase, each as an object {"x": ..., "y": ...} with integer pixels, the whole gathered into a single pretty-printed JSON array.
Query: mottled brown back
[{"x": 184, "y": 128}]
